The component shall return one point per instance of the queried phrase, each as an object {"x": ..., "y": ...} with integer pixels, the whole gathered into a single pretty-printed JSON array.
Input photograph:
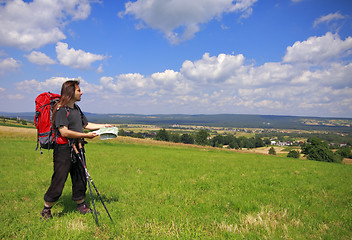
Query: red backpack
[{"x": 44, "y": 104}]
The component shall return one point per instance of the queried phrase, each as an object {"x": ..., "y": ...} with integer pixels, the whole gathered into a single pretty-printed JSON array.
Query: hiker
[{"x": 68, "y": 122}]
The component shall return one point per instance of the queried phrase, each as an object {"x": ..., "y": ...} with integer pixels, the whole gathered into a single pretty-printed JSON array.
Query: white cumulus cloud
[
  {"x": 40, "y": 58},
  {"x": 316, "y": 50},
  {"x": 213, "y": 69},
  {"x": 180, "y": 20},
  {"x": 50, "y": 85},
  {"x": 227, "y": 83},
  {"x": 29, "y": 25},
  {"x": 8, "y": 64},
  {"x": 170, "y": 82},
  {"x": 78, "y": 59},
  {"x": 54, "y": 85},
  {"x": 131, "y": 83}
]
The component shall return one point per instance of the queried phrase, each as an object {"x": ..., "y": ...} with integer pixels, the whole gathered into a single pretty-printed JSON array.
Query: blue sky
[{"x": 287, "y": 57}]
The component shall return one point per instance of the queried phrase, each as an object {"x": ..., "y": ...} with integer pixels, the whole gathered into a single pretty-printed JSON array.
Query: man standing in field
[{"x": 68, "y": 122}]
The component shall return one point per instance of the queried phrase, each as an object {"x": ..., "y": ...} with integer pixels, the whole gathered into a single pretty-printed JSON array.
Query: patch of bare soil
[
  {"x": 347, "y": 161},
  {"x": 265, "y": 150}
]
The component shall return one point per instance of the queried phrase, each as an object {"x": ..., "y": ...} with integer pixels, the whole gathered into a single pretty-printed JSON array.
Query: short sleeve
[{"x": 61, "y": 118}]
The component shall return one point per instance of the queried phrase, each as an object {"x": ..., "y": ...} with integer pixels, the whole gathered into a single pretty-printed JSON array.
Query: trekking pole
[
  {"x": 87, "y": 176},
  {"x": 85, "y": 167}
]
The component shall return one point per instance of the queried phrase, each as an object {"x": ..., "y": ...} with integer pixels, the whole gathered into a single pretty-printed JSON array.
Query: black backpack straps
[
  {"x": 68, "y": 112},
  {"x": 82, "y": 140},
  {"x": 80, "y": 112}
]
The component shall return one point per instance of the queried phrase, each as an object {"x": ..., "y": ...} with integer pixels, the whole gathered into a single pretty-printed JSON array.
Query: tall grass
[{"x": 170, "y": 192}]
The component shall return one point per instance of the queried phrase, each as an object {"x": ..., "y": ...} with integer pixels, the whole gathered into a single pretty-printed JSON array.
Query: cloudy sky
[{"x": 279, "y": 57}]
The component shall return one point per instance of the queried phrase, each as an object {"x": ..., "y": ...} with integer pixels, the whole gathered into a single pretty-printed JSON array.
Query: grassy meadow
[{"x": 172, "y": 191}]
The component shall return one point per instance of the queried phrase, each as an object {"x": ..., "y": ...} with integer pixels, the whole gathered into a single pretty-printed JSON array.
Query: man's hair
[{"x": 67, "y": 93}]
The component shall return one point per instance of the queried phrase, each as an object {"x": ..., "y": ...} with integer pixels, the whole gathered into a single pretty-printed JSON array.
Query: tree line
[
  {"x": 314, "y": 149},
  {"x": 329, "y": 137},
  {"x": 202, "y": 137},
  {"x": 10, "y": 120}
]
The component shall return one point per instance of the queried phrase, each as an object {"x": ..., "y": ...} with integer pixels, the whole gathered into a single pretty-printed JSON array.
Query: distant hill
[{"x": 216, "y": 120}]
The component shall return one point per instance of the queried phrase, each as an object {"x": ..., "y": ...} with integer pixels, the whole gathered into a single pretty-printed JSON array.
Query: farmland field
[{"x": 171, "y": 191}]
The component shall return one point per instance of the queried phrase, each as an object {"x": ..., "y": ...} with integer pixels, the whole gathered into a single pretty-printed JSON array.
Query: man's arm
[
  {"x": 65, "y": 132},
  {"x": 96, "y": 126}
]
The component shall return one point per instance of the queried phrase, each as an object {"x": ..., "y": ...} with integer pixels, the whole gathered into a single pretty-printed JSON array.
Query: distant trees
[
  {"x": 267, "y": 141},
  {"x": 318, "y": 150},
  {"x": 201, "y": 137},
  {"x": 217, "y": 141},
  {"x": 314, "y": 149},
  {"x": 17, "y": 120},
  {"x": 174, "y": 137},
  {"x": 293, "y": 154},
  {"x": 334, "y": 139},
  {"x": 272, "y": 151},
  {"x": 187, "y": 138},
  {"x": 137, "y": 135},
  {"x": 258, "y": 142},
  {"x": 162, "y": 135},
  {"x": 345, "y": 152}
]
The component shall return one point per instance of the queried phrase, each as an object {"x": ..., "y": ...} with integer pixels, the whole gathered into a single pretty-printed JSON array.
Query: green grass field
[{"x": 175, "y": 192}]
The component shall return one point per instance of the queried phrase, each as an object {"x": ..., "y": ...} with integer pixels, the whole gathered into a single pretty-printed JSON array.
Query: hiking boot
[
  {"x": 83, "y": 208},
  {"x": 46, "y": 214}
]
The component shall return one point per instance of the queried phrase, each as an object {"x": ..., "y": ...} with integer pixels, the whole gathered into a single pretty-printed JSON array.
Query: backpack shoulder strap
[{"x": 76, "y": 106}]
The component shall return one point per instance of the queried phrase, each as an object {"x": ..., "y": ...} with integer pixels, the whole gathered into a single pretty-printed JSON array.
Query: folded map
[{"x": 107, "y": 132}]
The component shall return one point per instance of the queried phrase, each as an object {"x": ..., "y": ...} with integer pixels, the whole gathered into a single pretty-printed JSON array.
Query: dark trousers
[{"x": 63, "y": 165}]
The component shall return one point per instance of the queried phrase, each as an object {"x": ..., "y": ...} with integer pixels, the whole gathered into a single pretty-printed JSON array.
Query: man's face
[{"x": 78, "y": 93}]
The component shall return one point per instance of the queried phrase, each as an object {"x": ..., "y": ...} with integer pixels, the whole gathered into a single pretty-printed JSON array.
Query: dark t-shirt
[{"x": 73, "y": 121}]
